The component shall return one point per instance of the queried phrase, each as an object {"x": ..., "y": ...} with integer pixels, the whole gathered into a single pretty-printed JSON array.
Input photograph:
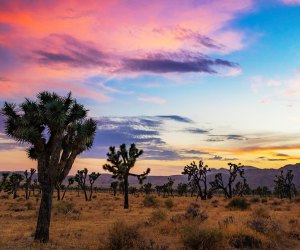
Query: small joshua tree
[
  {"x": 234, "y": 171},
  {"x": 4, "y": 182},
  {"x": 14, "y": 183},
  {"x": 284, "y": 186},
  {"x": 169, "y": 185},
  {"x": 92, "y": 178},
  {"x": 121, "y": 162},
  {"x": 28, "y": 178},
  {"x": 80, "y": 178},
  {"x": 114, "y": 187},
  {"x": 182, "y": 189},
  {"x": 147, "y": 188},
  {"x": 71, "y": 181},
  {"x": 198, "y": 175}
]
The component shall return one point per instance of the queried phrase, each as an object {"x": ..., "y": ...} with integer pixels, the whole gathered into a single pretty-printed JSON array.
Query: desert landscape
[{"x": 154, "y": 222}]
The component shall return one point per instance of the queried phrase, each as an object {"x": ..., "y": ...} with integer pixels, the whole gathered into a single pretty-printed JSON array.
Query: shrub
[
  {"x": 193, "y": 210},
  {"x": 238, "y": 203},
  {"x": 260, "y": 212},
  {"x": 150, "y": 201},
  {"x": 264, "y": 200},
  {"x": 242, "y": 240},
  {"x": 158, "y": 215},
  {"x": 122, "y": 236},
  {"x": 64, "y": 207},
  {"x": 169, "y": 203},
  {"x": 263, "y": 225},
  {"x": 195, "y": 237}
]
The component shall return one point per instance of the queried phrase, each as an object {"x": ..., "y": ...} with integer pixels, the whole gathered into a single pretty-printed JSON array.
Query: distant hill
[{"x": 255, "y": 177}]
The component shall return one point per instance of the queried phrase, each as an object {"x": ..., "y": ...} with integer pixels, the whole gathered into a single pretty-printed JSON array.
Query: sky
[{"x": 185, "y": 80}]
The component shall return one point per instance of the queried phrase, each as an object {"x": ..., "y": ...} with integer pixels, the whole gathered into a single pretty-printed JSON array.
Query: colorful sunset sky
[{"x": 217, "y": 80}]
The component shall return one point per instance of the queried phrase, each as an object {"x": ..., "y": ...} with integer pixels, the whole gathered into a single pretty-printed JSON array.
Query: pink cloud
[
  {"x": 291, "y": 2},
  {"x": 54, "y": 42}
]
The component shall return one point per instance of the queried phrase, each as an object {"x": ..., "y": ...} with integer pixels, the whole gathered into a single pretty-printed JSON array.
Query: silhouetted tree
[
  {"x": 80, "y": 178},
  {"x": 57, "y": 129},
  {"x": 114, "y": 187},
  {"x": 284, "y": 186},
  {"x": 121, "y": 162},
  {"x": 14, "y": 181},
  {"x": 198, "y": 174},
  {"x": 4, "y": 181},
  {"x": 169, "y": 185},
  {"x": 182, "y": 189},
  {"x": 92, "y": 178},
  {"x": 71, "y": 181},
  {"x": 28, "y": 178},
  {"x": 262, "y": 191},
  {"x": 192, "y": 187},
  {"x": 234, "y": 171},
  {"x": 147, "y": 188}
]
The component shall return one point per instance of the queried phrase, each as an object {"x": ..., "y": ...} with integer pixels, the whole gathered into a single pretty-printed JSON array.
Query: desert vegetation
[{"x": 228, "y": 215}]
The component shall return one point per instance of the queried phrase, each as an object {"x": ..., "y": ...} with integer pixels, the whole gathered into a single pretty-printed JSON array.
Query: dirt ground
[{"x": 269, "y": 223}]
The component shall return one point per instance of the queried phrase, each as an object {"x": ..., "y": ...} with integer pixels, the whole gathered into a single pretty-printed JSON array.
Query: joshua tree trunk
[
  {"x": 58, "y": 193},
  {"x": 91, "y": 192},
  {"x": 43, "y": 223},
  {"x": 126, "y": 204}
]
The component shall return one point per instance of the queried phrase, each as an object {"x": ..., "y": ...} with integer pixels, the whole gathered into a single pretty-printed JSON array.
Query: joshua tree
[
  {"x": 58, "y": 130},
  {"x": 234, "y": 171},
  {"x": 262, "y": 191},
  {"x": 284, "y": 186},
  {"x": 36, "y": 185},
  {"x": 169, "y": 185},
  {"x": 4, "y": 181},
  {"x": 92, "y": 178},
  {"x": 147, "y": 188},
  {"x": 182, "y": 189},
  {"x": 80, "y": 178},
  {"x": 14, "y": 183},
  {"x": 198, "y": 174},
  {"x": 121, "y": 162},
  {"x": 114, "y": 186},
  {"x": 70, "y": 182},
  {"x": 28, "y": 178}
]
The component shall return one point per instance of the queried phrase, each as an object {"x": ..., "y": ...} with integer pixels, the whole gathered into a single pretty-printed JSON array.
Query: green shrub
[
  {"x": 238, "y": 203},
  {"x": 150, "y": 201},
  {"x": 169, "y": 203},
  {"x": 195, "y": 237}
]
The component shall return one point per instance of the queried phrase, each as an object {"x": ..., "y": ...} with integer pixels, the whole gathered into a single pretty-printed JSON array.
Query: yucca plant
[
  {"x": 57, "y": 130},
  {"x": 121, "y": 162}
]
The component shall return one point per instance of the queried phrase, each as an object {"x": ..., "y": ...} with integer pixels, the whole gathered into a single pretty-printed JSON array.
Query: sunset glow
[{"x": 215, "y": 80}]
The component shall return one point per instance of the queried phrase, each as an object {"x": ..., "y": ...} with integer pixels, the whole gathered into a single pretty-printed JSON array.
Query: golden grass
[{"x": 87, "y": 225}]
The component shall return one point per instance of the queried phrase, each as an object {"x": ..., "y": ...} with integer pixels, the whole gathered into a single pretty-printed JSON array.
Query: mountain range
[{"x": 255, "y": 177}]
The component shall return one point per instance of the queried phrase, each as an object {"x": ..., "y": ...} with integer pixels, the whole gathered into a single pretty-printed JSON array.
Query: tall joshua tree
[
  {"x": 28, "y": 178},
  {"x": 198, "y": 175},
  {"x": 284, "y": 186},
  {"x": 92, "y": 178},
  {"x": 228, "y": 189},
  {"x": 57, "y": 130},
  {"x": 80, "y": 178},
  {"x": 121, "y": 162}
]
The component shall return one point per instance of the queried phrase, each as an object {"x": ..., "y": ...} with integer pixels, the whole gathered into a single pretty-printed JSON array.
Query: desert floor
[{"x": 269, "y": 223}]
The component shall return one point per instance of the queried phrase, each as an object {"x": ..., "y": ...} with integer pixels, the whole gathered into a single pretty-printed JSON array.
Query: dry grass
[{"x": 77, "y": 224}]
